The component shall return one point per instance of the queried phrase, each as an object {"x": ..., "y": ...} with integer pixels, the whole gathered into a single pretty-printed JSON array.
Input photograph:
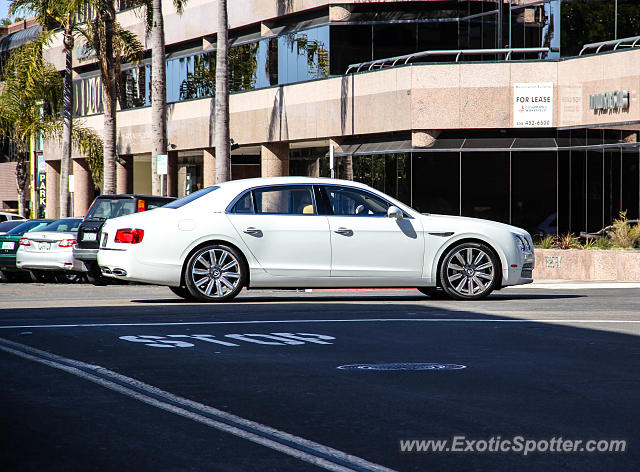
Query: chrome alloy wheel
[
  {"x": 469, "y": 271},
  {"x": 214, "y": 273}
]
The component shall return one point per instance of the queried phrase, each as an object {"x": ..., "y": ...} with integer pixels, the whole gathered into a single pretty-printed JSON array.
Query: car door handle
[
  {"x": 343, "y": 230},
  {"x": 252, "y": 230}
]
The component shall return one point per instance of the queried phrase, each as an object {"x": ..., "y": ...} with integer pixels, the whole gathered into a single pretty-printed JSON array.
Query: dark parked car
[
  {"x": 9, "y": 244},
  {"x": 103, "y": 208},
  {"x": 6, "y": 226}
]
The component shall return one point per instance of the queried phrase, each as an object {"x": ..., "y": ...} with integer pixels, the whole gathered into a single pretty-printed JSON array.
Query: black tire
[
  {"x": 43, "y": 276},
  {"x": 182, "y": 292},
  {"x": 14, "y": 277},
  {"x": 94, "y": 275},
  {"x": 215, "y": 273},
  {"x": 469, "y": 271},
  {"x": 433, "y": 292},
  {"x": 69, "y": 277}
]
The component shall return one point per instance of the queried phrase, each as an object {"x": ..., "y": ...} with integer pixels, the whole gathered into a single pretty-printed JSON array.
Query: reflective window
[
  {"x": 303, "y": 55},
  {"x": 244, "y": 205},
  {"x": 63, "y": 225},
  {"x": 289, "y": 200},
  {"x": 355, "y": 202}
]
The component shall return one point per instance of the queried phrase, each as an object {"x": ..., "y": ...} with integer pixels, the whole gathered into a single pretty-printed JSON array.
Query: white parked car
[
  {"x": 49, "y": 250},
  {"x": 301, "y": 232}
]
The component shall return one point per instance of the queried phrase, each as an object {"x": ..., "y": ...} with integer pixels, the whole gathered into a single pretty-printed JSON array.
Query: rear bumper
[
  {"x": 116, "y": 263},
  {"x": 49, "y": 261},
  {"x": 8, "y": 262},
  {"x": 89, "y": 255}
]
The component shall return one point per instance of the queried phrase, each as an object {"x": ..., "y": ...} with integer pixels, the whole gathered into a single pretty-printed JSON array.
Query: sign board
[
  {"x": 71, "y": 183},
  {"x": 41, "y": 165},
  {"x": 533, "y": 105},
  {"x": 161, "y": 164}
]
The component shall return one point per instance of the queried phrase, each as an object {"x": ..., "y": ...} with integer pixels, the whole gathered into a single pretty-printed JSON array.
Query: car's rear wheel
[
  {"x": 433, "y": 292},
  {"x": 69, "y": 277},
  {"x": 182, "y": 292},
  {"x": 469, "y": 271},
  {"x": 215, "y": 273},
  {"x": 43, "y": 276}
]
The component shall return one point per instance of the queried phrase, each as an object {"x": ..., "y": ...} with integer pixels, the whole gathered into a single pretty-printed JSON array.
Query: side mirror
[{"x": 394, "y": 212}]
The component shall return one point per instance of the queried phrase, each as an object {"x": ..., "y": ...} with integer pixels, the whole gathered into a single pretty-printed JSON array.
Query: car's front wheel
[
  {"x": 215, "y": 273},
  {"x": 469, "y": 271}
]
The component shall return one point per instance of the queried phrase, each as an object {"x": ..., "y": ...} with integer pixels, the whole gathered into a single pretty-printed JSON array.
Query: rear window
[
  {"x": 189, "y": 198},
  {"x": 105, "y": 208},
  {"x": 65, "y": 225},
  {"x": 29, "y": 226}
]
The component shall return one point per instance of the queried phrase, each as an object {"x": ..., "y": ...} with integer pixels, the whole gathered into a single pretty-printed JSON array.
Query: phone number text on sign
[{"x": 533, "y": 105}]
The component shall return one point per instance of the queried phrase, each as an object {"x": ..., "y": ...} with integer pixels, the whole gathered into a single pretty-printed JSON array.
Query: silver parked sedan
[{"x": 48, "y": 251}]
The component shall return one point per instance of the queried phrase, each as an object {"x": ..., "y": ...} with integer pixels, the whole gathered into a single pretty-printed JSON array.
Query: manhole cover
[{"x": 402, "y": 366}]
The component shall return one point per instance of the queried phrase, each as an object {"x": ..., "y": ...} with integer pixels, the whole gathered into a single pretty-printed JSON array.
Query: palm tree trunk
[
  {"x": 22, "y": 179},
  {"x": 158, "y": 94},
  {"x": 109, "y": 87},
  {"x": 223, "y": 150},
  {"x": 67, "y": 123}
]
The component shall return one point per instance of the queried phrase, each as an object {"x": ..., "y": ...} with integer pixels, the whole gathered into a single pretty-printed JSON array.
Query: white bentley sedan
[{"x": 301, "y": 232}]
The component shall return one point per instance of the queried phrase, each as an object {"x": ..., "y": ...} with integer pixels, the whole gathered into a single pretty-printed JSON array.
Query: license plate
[
  {"x": 44, "y": 246},
  {"x": 8, "y": 245},
  {"x": 89, "y": 236}
]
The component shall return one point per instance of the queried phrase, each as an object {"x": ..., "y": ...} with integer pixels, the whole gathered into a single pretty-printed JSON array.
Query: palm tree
[
  {"x": 221, "y": 112},
  {"x": 112, "y": 45},
  {"x": 30, "y": 105},
  {"x": 155, "y": 27},
  {"x": 62, "y": 13}
]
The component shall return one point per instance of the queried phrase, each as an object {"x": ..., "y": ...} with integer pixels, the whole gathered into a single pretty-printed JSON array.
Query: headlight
[{"x": 523, "y": 243}]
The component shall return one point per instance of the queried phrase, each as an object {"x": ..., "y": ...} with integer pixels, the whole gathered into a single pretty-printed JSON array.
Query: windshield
[
  {"x": 105, "y": 208},
  {"x": 65, "y": 225},
  {"x": 28, "y": 226}
]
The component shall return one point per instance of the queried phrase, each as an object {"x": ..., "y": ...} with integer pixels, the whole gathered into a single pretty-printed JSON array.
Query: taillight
[
  {"x": 141, "y": 206},
  {"x": 24, "y": 242},
  {"x": 128, "y": 235},
  {"x": 67, "y": 243}
]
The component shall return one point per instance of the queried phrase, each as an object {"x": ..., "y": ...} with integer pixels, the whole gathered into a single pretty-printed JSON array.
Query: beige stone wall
[
  {"x": 450, "y": 96},
  {"x": 575, "y": 264}
]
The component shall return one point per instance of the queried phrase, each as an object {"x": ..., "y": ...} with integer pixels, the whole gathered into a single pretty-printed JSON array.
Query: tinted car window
[
  {"x": 28, "y": 226},
  {"x": 105, "y": 208},
  {"x": 355, "y": 202},
  {"x": 289, "y": 200},
  {"x": 65, "y": 225},
  {"x": 244, "y": 204},
  {"x": 189, "y": 198}
]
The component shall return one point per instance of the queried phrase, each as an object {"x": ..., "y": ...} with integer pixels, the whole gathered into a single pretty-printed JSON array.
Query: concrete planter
[{"x": 576, "y": 264}]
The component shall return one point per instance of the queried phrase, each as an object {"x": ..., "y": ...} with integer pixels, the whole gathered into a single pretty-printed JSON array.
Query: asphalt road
[{"x": 131, "y": 378}]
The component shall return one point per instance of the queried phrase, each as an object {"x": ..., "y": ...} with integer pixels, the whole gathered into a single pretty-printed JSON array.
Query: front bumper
[{"x": 54, "y": 260}]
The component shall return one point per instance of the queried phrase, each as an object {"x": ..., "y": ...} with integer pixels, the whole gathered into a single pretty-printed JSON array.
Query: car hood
[{"x": 464, "y": 223}]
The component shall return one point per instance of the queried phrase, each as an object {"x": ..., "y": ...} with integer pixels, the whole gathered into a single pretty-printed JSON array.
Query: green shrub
[
  {"x": 545, "y": 242},
  {"x": 602, "y": 243},
  {"x": 624, "y": 236}
]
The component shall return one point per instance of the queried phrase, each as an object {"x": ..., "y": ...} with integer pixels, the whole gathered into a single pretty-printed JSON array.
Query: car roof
[{"x": 133, "y": 195}]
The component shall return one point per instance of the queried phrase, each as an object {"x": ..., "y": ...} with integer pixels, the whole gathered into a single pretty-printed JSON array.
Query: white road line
[
  {"x": 357, "y": 320},
  {"x": 300, "y": 448}
]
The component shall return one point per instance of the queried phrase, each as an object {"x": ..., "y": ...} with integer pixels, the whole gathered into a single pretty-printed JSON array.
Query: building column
[
  {"x": 82, "y": 187},
  {"x": 172, "y": 174},
  {"x": 343, "y": 166},
  {"x": 52, "y": 207},
  {"x": 124, "y": 174},
  {"x": 208, "y": 167},
  {"x": 274, "y": 159}
]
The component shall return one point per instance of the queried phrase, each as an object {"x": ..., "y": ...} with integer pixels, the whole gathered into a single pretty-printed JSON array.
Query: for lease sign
[{"x": 533, "y": 105}]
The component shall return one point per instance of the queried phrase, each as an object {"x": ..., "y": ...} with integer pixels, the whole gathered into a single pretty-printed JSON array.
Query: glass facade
[
  {"x": 288, "y": 58},
  {"x": 571, "y": 188}
]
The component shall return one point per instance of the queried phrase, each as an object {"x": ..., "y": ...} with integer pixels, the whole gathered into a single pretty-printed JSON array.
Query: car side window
[
  {"x": 244, "y": 204},
  {"x": 348, "y": 201},
  {"x": 285, "y": 200}
]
